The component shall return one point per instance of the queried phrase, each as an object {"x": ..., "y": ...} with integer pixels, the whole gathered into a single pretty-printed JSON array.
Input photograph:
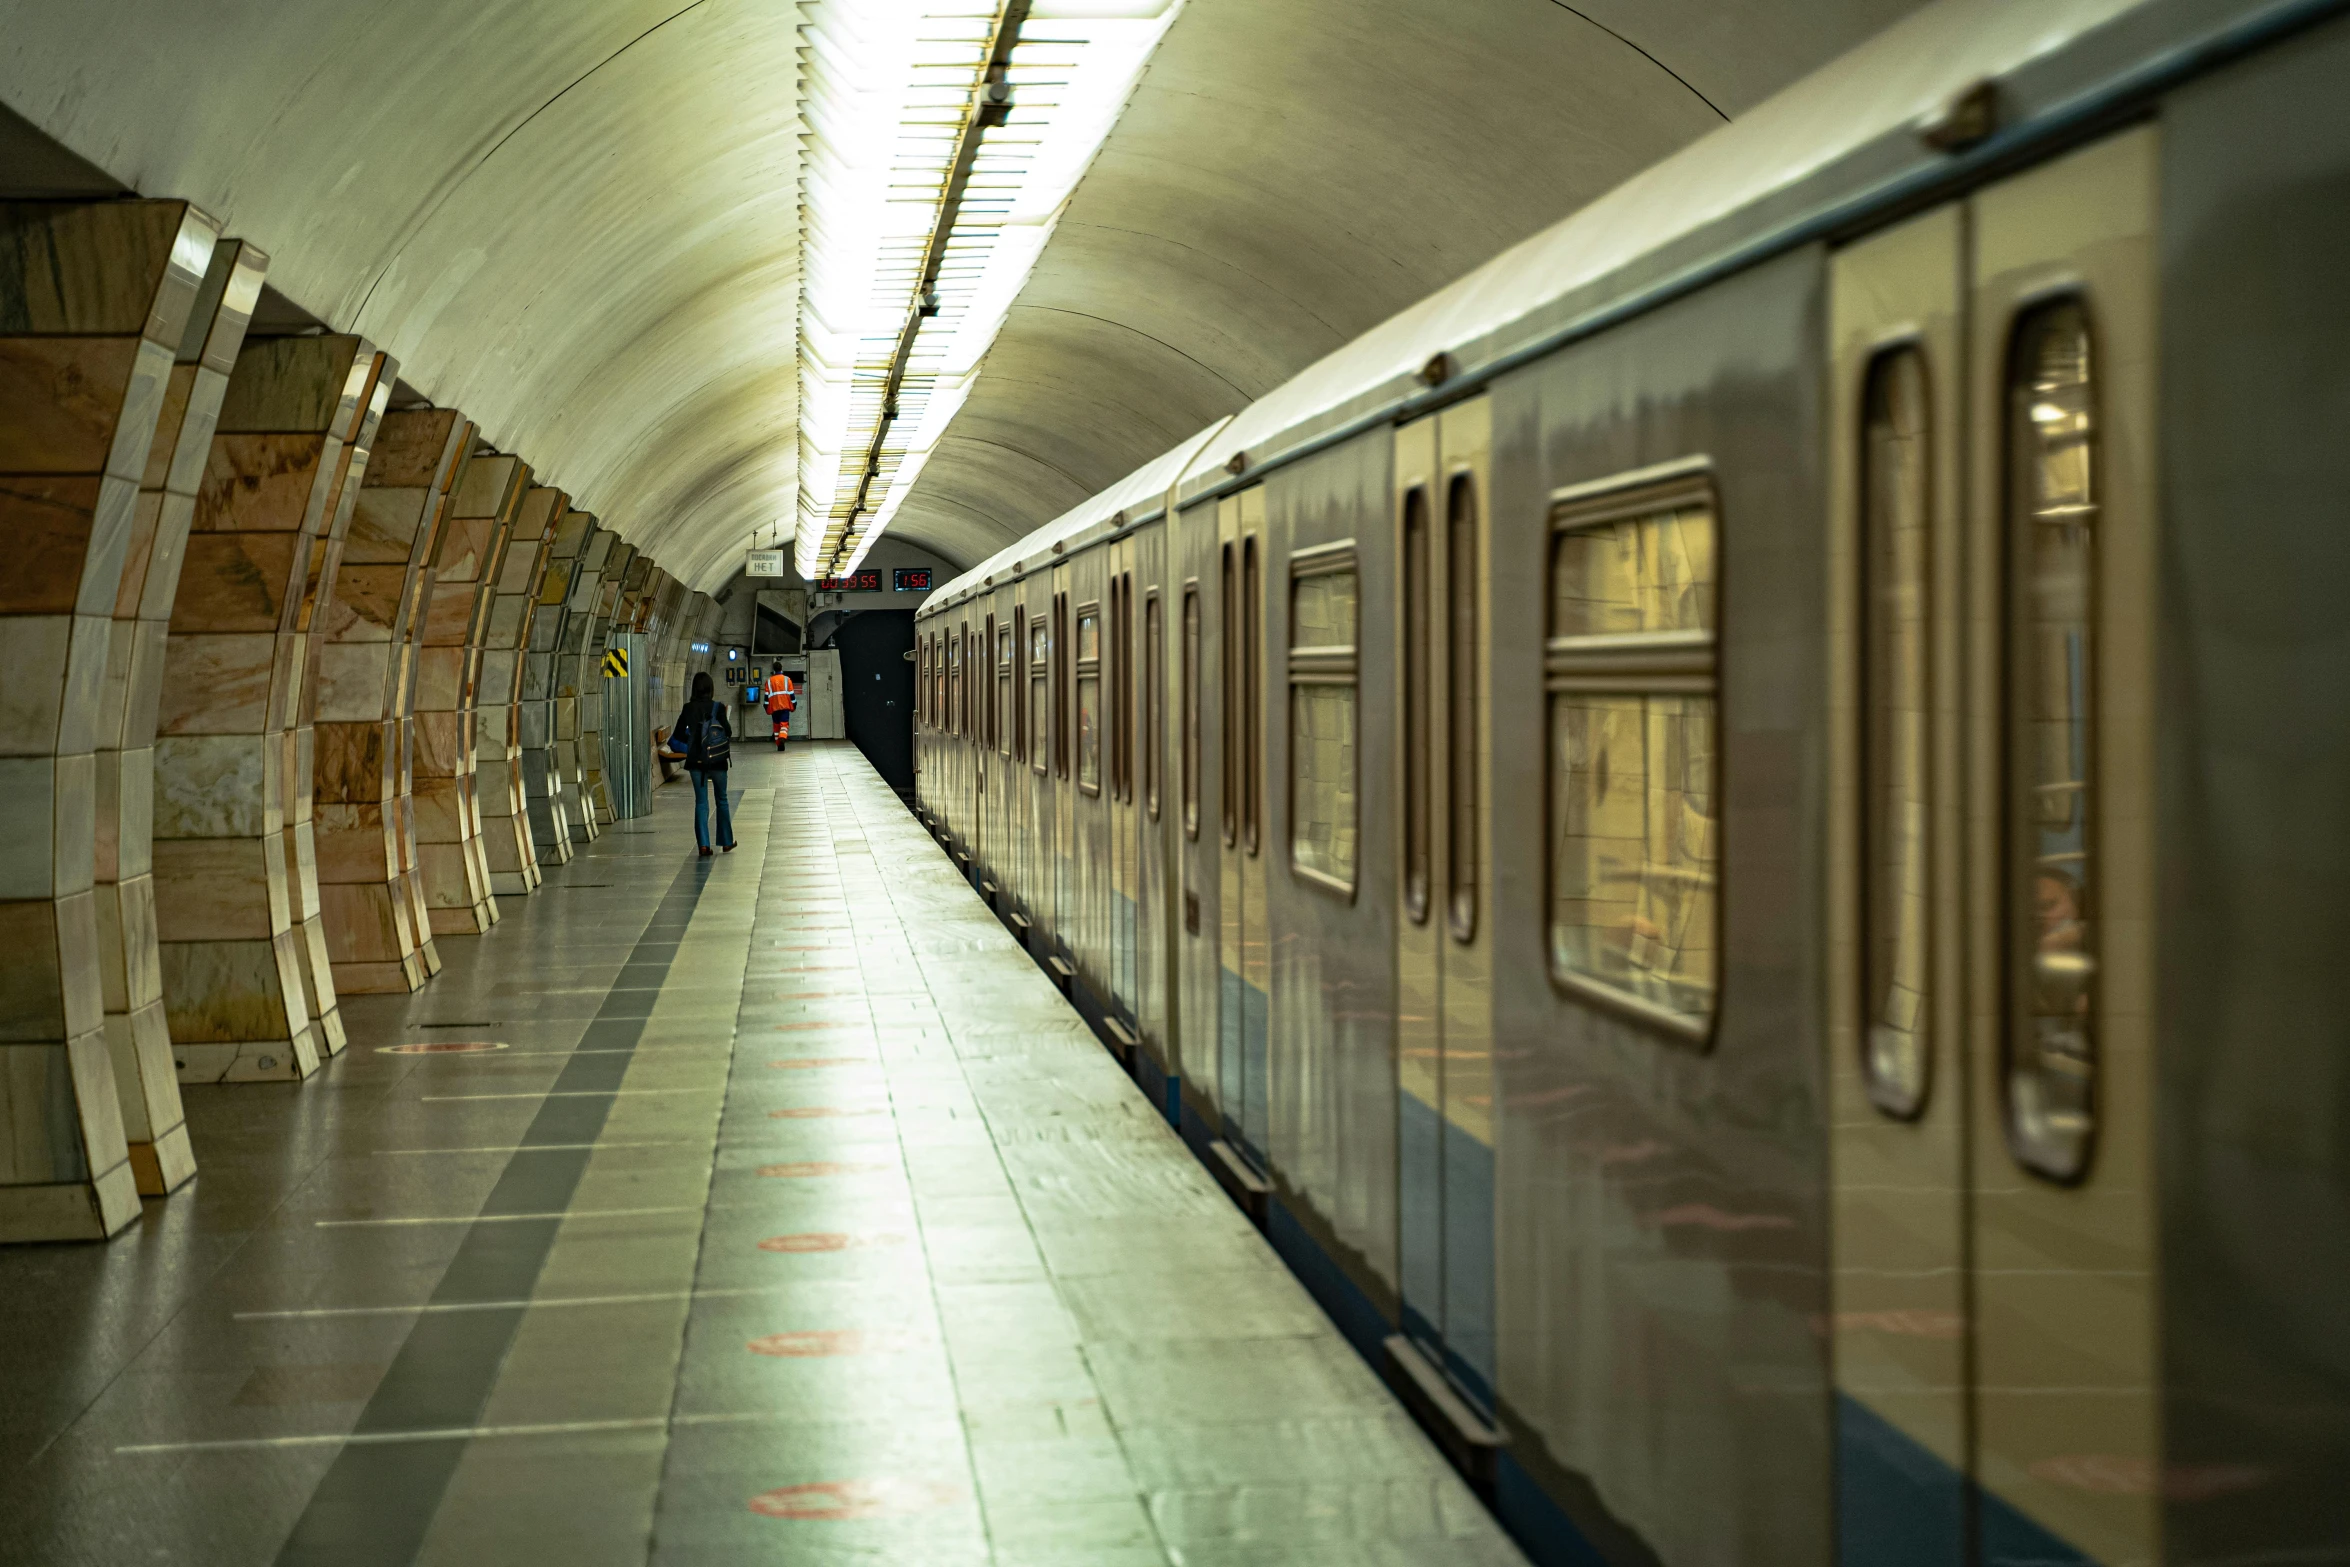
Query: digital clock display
[
  {"x": 912, "y": 579},
  {"x": 854, "y": 582}
]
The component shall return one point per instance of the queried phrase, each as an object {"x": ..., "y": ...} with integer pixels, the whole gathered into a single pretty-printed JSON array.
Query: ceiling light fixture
[{"x": 943, "y": 144}]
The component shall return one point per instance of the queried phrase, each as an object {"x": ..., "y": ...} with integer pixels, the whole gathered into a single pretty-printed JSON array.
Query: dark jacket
[{"x": 683, "y": 734}]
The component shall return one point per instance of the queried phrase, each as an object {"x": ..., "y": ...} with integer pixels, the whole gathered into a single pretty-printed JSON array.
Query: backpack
[{"x": 710, "y": 742}]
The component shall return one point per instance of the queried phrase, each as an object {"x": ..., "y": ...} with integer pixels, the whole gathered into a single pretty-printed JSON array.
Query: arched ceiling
[
  {"x": 578, "y": 220},
  {"x": 1290, "y": 174}
]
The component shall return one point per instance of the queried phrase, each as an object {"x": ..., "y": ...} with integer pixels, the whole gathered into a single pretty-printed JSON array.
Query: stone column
[
  {"x": 610, "y": 598},
  {"x": 378, "y": 933},
  {"x": 542, "y": 737},
  {"x": 456, "y": 874},
  {"x": 326, "y": 557},
  {"x": 578, "y": 685},
  {"x": 138, "y": 1035},
  {"x": 505, "y": 807},
  {"x": 229, "y": 901},
  {"x": 94, "y": 303}
]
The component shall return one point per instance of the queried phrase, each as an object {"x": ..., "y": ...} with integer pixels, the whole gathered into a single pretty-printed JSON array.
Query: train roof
[{"x": 1848, "y": 138}]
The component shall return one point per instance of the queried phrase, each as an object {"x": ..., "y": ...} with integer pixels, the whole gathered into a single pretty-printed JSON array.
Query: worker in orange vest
[{"x": 782, "y": 696}]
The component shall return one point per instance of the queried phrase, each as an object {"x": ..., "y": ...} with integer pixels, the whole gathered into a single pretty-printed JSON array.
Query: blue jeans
[{"x": 707, "y": 784}]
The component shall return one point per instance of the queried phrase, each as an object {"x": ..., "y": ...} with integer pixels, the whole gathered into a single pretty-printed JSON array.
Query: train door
[
  {"x": 1243, "y": 958},
  {"x": 1119, "y": 650},
  {"x": 1993, "y": 1330},
  {"x": 1444, "y": 1000},
  {"x": 1194, "y": 1051},
  {"x": 1062, "y": 923},
  {"x": 1036, "y": 773}
]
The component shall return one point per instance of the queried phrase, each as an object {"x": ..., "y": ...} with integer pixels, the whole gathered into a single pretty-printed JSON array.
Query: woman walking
[{"x": 702, "y": 737}]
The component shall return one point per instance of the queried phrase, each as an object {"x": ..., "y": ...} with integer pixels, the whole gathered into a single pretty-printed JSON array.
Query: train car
[{"x": 1729, "y": 831}]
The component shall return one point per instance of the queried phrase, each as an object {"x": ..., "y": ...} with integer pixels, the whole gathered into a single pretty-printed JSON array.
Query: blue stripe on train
[{"x": 1898, "y": 1505}]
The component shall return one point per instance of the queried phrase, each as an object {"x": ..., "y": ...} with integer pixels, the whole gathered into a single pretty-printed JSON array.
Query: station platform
[{"x": 767, "y": 1208}]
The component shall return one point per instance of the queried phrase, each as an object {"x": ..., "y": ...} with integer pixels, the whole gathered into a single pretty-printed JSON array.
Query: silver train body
[{"x": 1736, "y": 830}]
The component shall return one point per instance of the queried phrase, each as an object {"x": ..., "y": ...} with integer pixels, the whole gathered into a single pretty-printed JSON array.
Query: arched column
[
  {"x": 326, "y": 557},
  {"x": 505, "y": 805},
  {"x": 455, "y": 871},
  {"x": 379, "y": 936},
  {"x": 611, "y": 601},
  {"x": 237, "y": 967},
  {"x": 138, "y": 1034},
  {"x": 578, "y": 686},
  {"x": 544, "y": 744},
  {"x": 94, "y": 302}
]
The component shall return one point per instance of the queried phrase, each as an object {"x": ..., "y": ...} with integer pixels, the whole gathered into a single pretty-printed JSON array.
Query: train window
[
  {"x": 1126, "y": 687},
  {"x": 1228, "y": 796},
  {"x": 1089, "y": 698},
  {"x": 1630, "y": 676},
  {"x": 1060, "y": 679},
  {"x": 1120, "y": 646},
  {"x": 1322, "y": 684},
  {"x": 1015, "y": 686},
  {"x": 1252, "y": 674},
  {"x": 1191, "y": 730},
  {"x": 2050, "y": 1055},
  {"x": 1003, "y": 718},
  {"x": 1154, "y": 685},
  {"x": 1461, "y": 645},
  {"x": 1415, "y": 705},
  {"x": 1897, "y": 1049},
  {"x": 954, "y": 682},
  {"x": 1040, "y": 645}
]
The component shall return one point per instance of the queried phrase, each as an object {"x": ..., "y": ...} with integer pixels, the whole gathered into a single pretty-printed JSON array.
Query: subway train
[{"x": 1732, "y": 830}]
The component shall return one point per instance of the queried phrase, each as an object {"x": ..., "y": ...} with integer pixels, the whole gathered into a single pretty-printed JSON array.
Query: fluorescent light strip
[{"x": 887, "y": 85}]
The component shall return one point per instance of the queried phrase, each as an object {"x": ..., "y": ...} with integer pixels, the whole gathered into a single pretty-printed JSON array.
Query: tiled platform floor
[{"x": 796, "y": 1220}]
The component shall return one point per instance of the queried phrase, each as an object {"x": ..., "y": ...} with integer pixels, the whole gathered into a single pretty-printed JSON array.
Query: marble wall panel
[{"x": 95, "y": 300}]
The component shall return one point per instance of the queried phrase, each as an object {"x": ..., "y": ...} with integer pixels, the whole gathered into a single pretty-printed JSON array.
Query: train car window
[
  {"x": 1154, "y": 685},
  {"x": 1089, "y": 698},
  {"x": 1461, "y": 694},
  {"x": 2050, "y": 1065},
  {"x": 1323, "y": 808},
  {"x": 1040, "y": 645},
  {"x": 1003, "y": 717},
  {"x": 1897, "y": 1049},
  {"x": 1060, "y": 678},
  {"x": 954, "y": 682},
  {"x": 1228, "y": 796},
  {"x": 1630, "y": 672},
  {"x": 1416, "y": 749},
  {"x": 1125, "y": 678},
  {"x": 1252, "y": 594},
  {"x": 1191, "y": 729},
  {"x": 1115, "y": 679},
  {"x": 1015, "y": 657}
]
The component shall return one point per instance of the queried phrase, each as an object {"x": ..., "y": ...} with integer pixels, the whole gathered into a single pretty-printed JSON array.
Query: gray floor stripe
[{"x": 377, "y": 1500}]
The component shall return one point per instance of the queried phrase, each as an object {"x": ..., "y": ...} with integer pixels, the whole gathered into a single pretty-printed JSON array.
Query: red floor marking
[
  {"x": 803, "y": 1063},
  {"x": 830, "y": 1341},
  {"x": 442, "y": 1047},
  {"x": 815, "y": 1113},
  {"x": 808, "y": 1167},
  {"x": 828, "y": 1240},
  {"x": 835, "y": 1500}
]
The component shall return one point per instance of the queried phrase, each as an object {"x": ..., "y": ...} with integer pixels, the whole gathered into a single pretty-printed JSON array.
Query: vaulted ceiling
[{"x": 579, "y": 220}]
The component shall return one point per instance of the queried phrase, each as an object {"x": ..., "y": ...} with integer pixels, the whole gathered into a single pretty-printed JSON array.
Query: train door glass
[
  {"x": 1245, "y": 958},
  {"x": 1445, "y": 1156},
  {"x": 1992, "y": 1233}
]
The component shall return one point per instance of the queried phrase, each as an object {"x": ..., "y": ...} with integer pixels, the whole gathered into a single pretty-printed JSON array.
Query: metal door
[
  {"x": 1243, "y": 957},
  {"x": 628, "y": 724},
  {"x": 1991, "y": 1155},
  {"x": 1444, "y": 1043}
]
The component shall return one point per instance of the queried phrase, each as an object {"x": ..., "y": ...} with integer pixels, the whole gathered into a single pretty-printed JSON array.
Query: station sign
[{"x": 767, "y": 563}]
